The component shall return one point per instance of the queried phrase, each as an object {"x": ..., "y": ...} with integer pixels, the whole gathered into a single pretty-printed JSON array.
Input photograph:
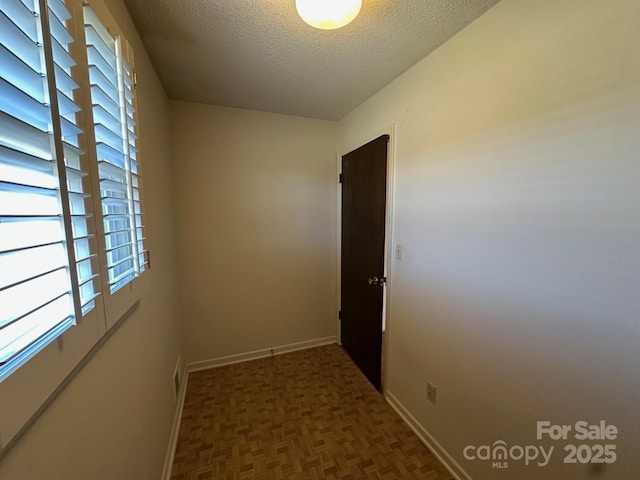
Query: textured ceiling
[{"x": 259, "y": 55}]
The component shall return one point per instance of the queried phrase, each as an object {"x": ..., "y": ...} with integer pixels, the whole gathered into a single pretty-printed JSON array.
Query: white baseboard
[
  {"x": 441, "y": 454},
  {"x": 267, "y": 352},
  {"x": 177, "y": 416}
]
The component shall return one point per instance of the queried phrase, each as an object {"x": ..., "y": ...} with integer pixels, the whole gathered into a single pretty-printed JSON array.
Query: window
[
  {"x": 47, "y": 250},
  {"x": 46, "y": 259},
  {"x": 112, "y": 96},
  {"x": 72, "y": 249}
]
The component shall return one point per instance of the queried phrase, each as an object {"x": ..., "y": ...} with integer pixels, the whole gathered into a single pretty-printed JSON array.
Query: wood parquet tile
[{"x": 303, "y": 416}]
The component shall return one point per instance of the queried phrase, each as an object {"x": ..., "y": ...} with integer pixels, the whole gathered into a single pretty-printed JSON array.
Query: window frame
[
  {"x": 118, "y": 303},
  {"x": 48, "y": 21},
  {"x": 28, "y": 390}
]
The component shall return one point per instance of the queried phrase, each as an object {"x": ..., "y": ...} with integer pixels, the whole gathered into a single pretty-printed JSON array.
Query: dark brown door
[{"x": 364, "y": 200}]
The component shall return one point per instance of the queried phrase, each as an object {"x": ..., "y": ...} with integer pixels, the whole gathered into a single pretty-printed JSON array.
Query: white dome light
[{"x": 328, "y": 14}]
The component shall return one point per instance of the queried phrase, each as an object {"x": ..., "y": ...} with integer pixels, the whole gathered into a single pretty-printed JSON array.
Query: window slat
[
  {"x": 103, "y": 116},
  {"x": 59, "y": 30},
  {"x": 22, "y": 136},
  {"x": 17, "y": 40},
  {"x": 69, "y": 129},
  {"x": 32, "y": 294},
  {"x": 107, "y": 85},
  {"x": 20, "y": 161},
  {"x": 106, "y": 136},
  {"x": 22, "y": 17},
  {"x": 103, "y": 99},
  {"x": 109, "y": 155},
  {"x": 107, "y": 65},
  {"x": 66, "y": 105},
  {"x": 62, "y": 57},
  {"x": 21, "y": 265},
  {"x": 58, "y": 8},
  {"x": 102, "y": 41},
  {"x": 19, "y": 74},
  {"x": 109, "y": 171},
  {"x": 64, "y": 82},
  {"x": 19, "y": 104},
  {"x": 47, "y": 329}
]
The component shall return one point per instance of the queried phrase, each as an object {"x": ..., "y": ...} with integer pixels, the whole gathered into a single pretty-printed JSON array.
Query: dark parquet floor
[{"x": 303, "y": 415}]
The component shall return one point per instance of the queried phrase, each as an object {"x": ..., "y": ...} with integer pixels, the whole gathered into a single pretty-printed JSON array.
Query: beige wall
[
  {"x": 517, "y": 198},
  {"x": 256, "y": 203},
  {"x": 113, "y": 420}
]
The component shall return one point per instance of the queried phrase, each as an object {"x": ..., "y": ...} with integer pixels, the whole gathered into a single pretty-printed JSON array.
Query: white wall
[
  {"x": 517, "y": 202},
  {"x": 256, "y": 218},
  {"x": 113, "y": 420}
]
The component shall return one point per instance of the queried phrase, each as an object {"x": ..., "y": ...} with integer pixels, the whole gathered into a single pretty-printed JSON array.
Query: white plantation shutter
[
  {"x": 83, "y": 247},
  {"x": 112, "y": 99},
  {"x": 136, "y": 181},
  {"x": 43, "y": 221}
]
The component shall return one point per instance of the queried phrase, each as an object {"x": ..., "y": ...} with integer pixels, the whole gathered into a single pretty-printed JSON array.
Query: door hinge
[
  {"x": 135, "y": 79},
  {"x": 340, "y": 178},
  {"x": 147, "y": 258},
  {"x": 340, "y": 315}
]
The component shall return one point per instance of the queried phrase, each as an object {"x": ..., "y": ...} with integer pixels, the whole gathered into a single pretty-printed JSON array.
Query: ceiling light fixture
[{"x": 328, "y": 14}]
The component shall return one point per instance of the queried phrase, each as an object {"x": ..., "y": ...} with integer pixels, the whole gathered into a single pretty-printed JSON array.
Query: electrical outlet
[{"x": 431, "y": 393}]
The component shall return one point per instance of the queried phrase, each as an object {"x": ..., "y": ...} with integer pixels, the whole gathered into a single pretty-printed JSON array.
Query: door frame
[{"x": 389, "y": 239}]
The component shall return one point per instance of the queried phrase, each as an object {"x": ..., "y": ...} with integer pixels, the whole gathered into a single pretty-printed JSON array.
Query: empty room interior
[{"x": 432, "y": 211}]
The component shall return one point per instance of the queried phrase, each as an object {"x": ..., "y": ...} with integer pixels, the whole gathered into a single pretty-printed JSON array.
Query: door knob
[{"x": 377, "y": 281}]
